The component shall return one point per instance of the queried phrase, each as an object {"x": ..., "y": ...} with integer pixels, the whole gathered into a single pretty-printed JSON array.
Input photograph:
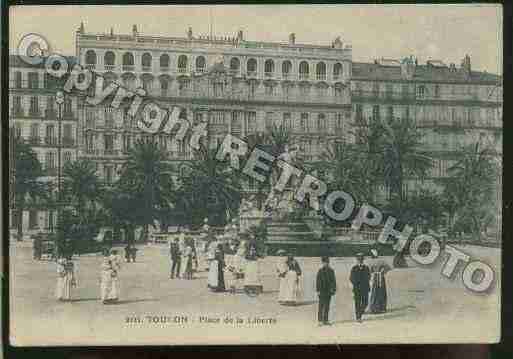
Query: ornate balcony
[
  {"x": 51, "y": 140},
  {"x": 128, "y": 68},
  {"x": 110, "y": 67}
]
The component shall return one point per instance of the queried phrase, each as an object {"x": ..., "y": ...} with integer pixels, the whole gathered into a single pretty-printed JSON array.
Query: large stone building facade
[
  {"x": 452, "y": 106},
  {"x": 33, "y": 114},
  {"x": 245, "y": 87},
  {"x": 236, "y": 86}
]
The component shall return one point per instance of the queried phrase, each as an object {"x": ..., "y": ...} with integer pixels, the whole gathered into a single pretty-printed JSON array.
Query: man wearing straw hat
[{"x": 360, "y": 279}]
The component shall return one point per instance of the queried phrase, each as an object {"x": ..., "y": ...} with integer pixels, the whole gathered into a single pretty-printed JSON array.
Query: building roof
[
  {"x": 423, "y": 73},
  {"x": 17, "y": 61}
]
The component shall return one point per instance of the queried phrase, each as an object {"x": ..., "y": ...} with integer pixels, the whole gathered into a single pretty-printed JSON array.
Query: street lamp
[{"x": 59, "y": 99}]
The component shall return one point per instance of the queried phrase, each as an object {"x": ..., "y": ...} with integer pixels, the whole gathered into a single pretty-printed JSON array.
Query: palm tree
[
  {"x": 470, "y": 190},
  {"x": 26, "y": 182},
  {"x": 402, "y": 157},
  {"x": 210, "y": 188},
  {"x": 82, "y": 186},
  {"x": 349, "y": 168},
  {"x": 147, "y": 182}
]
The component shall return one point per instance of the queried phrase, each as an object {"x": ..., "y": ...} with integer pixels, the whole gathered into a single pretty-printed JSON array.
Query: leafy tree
[
  {"x": 402, "y": 156},
  {"x": 27, "y": 185},
  {"x": 348, "y": 167},
  {"x": 210, "y": 188},
  {"x": 145, "y": 186},
  {"x": 471, "y": 189},
  {"x": 82, "y": 187}
]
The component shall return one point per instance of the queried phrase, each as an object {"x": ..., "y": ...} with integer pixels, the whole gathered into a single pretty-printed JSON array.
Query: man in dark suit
[
  {"x": 360, "y": 279},
  {"x": 176, "y": 258},
  {"x": 326, "y": 285}
]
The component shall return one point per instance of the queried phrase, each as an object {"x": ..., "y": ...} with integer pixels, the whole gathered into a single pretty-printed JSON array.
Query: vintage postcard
[{"x": 274, "y": 174}]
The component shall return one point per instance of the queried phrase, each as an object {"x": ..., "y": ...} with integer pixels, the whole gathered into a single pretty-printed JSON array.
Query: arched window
[
  {"x": 269, "y": 67},
  {"x": 320, "y": 70},
  {"x": 252, "y": 67},
  {"x": 109, "y": 60},
  {"x": 182, "y": 63},
  {"x": 146, "y": 61},
  {"x": 90, "y": 59},
  {"x": 286, "y": 68},
  {"x": 128, "y": 61},
  {"x": 164, "y": 62},
  {"x": 200, "y": 64},
  {"x": 303, "y": 70},
  {"x": 337, "y": 71},
  {"x": 234, "y": 64}
]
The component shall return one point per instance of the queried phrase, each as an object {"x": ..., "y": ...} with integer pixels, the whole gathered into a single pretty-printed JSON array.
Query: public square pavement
[{"x": 423, "y": 306}]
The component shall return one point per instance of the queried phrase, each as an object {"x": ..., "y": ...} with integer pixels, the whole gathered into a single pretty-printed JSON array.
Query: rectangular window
[
  {"x": 33, "y": 219},
  {"x": 109, "y": 117},
  {"x": 34, "y": 106},
  {"x": 437, "y": 91},
  {"x": 109, "y": 174},
  {"x": 269, "y": 121},
  {"x": 375, "y": 89},
  {"x": 303, "y": 122},
  {"x": 375, "y": 113},
  {"x": 286, "y": 121},
  {"x": 251, "y": 124},
  {"x": 127, "y": 142},
  {"x": 17, "y": 79},
  {"x": 33, "y": 80},
  {"x": 405, "y": 90},
  {"x": 109, "y": 143}
]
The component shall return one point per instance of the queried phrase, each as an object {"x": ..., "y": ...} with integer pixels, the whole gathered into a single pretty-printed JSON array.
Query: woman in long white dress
[
  {"x": 290, "y": 286},
  {"x": 109, "y": 287},
  {"x": 65, "y": 279},
  {"x": 236, "y": 268},
  {"x": 252, "y": 282}
]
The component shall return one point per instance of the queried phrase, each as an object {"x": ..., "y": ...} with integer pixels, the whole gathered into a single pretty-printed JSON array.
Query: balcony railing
[
  {"x": 146, "y": 68},
  {"x": 111, "y": 152},
  {"x": 200, "y": 70},
  {"x": 34, "y": 140},
  {"x": 90, "y": 66},
  {"x": 182, "y": 70},
  {"x": 128, "y": 68},
  {"x": 67, "y": 115},
  {"x": 269, "y": 74},
  {"x": 110, "y": 67},
  {"x": 34, "y": 112},
  {"x": 303, "y": 76},
  {"x": 17, "y": 111},
  {"x": 286, "y": 76},
  {"x": 51, "y": 140},
  {"x": 337, "y": 77},
  {"x": 50, "y": 114},
  {"x": 164, "y": 68},
  {"x": 235, "y": 72},
  {"x": 321, "y": 77},
  {"x": 68, "y": 141}
]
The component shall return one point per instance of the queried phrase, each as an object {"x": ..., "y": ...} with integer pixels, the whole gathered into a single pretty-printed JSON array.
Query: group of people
[
  {"x": 109, "y": 278},
  {"x": 184, "y": 258},
  {"x": 242, "y": 269}
]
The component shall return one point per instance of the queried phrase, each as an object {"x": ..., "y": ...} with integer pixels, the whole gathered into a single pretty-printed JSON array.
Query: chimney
[
  {"x": 240, "y": 36},
  {"x": 292, "y": 39},
  {"x": 135, "y": 33},
  {"x": 189, "y": 33},
  {"x": 465, "y": 64},
  {"x": 81, "y": 28},
  {"x": 111, "y": 31}
]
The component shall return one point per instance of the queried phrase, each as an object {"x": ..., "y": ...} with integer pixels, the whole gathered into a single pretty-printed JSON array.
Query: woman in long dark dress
[
  {"x": 217, "y": 284},
  {"x": 378, "y": 297}
]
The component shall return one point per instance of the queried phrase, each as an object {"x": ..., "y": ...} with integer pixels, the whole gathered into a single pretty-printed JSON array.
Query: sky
[{"x": 444, "y": 32}]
